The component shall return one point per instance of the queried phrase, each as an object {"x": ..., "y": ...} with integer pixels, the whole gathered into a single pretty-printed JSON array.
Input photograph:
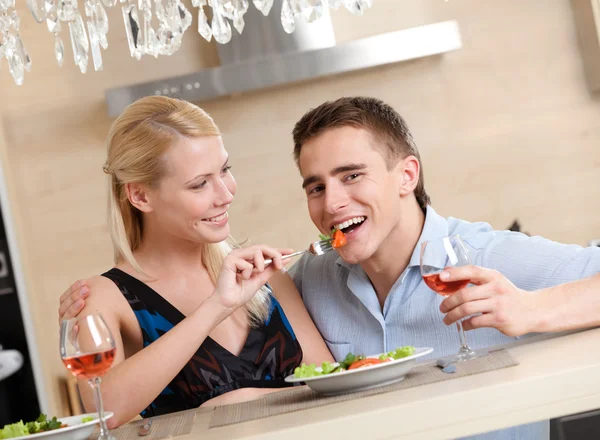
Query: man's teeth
[
  {"x": 347, "y": 223},
  {"x": 216, "y": 219}
]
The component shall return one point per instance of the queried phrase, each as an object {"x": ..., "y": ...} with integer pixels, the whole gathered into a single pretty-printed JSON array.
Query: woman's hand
[{"x": 244, "y": 272}]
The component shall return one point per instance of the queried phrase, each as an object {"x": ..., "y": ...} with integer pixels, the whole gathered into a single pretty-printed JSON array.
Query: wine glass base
[
  {"x": 465, "y": 353},
  {"x": 108, "y": 436}
]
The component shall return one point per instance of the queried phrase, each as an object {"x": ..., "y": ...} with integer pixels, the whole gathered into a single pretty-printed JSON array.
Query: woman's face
[{"x": 191, "y": 202}]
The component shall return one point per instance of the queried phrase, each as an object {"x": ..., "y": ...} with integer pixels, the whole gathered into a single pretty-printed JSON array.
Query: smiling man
[{"x": 362, "y": 174}]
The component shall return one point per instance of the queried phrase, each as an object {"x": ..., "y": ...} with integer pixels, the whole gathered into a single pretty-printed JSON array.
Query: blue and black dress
[{"x": 270, "y": 353}]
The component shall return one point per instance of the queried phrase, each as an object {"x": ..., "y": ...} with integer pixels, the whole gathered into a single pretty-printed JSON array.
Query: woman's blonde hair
[{"x": 137, "y": 143}]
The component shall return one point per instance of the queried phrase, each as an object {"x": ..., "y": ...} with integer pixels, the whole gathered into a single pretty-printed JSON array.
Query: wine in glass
[
  {"x": 87, "y": 349},
  {"x": 437, "y": 255}
]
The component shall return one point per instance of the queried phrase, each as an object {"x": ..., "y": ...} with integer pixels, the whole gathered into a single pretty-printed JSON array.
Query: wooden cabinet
[{"x": 576, "y": 427}]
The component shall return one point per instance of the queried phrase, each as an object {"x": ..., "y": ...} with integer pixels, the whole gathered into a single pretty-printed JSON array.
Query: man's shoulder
[
  {"x": 479, "y": 234},
  {"x": 318, "y": 263},
  {"x": 318, "y": 269}
]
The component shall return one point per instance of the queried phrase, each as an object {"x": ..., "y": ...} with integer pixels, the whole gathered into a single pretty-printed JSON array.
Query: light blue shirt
[{"x": 344, "y": 306}]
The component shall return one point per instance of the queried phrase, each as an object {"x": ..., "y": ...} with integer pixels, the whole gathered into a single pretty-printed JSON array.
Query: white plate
[
  {"x": 363, "y": 378},
  {"x": 75, "y": 431}
]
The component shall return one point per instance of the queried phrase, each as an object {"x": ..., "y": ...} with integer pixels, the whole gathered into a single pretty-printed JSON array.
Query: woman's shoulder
[
  {"x": 104, "y": 292},
  {"x": 101, "y": 282}
]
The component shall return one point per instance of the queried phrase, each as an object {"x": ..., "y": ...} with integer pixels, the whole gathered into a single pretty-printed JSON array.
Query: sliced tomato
[
  {"x": 365, "y": 362},
  {"x": 339, "y": 239}
]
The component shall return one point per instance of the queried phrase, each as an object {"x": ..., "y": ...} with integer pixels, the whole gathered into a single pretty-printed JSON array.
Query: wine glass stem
[
  {"x": 95, "y": 384},
  {"x": 461, "y": 335}
]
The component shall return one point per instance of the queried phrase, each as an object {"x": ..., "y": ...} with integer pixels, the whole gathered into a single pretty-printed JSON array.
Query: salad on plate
[
  {"x": 41, "y": 424},
  {"x": 352, "y": 362}
]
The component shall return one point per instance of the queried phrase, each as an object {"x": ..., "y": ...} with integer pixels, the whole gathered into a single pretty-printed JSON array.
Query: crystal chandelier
[{"x": 153, "y": 27}]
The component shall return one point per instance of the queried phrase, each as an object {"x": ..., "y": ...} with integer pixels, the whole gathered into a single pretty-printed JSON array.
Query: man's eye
[
  {"x": 352, "y": 176},
  {"x": 316, "y": 189}
]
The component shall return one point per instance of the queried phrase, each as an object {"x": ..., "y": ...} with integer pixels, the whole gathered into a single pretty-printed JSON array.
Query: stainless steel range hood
[{"x": 264, "y": 55}]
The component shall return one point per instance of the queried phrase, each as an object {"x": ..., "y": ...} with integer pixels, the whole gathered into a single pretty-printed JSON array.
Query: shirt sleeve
[
  {"x": 296, "y": 272},
  {"x": 533, "y": 263}
]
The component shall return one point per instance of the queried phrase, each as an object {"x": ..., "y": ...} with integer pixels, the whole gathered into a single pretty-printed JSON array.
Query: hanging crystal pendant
[
  {"x": 150, "y": 40},
  {"x": 15, "y": 64},
  {"x": 312, "y": 9},
  {"x": 59, "y": 50},
  {"x": 22, "y": 53},
  {"x": 37, "y": 9},
  {"x": 220, "y": 28},
  {"x": 288, "y": 19},
  {"x": 66, "y": 10},
  {"x": 79, "y": 42},
  {"x": 52, "y": 22},
  {"x": 357, "y": 7},
  {"x": 264, "y": 6},
  {"x": 203, "y": 26},
  {"x": 132, "y": 30},
  {"x": 186, "y": 16},
  {"x": 11, "y": 45},
  {"x": 100, "y": 18},
  {"x": 95, "y": 46}
]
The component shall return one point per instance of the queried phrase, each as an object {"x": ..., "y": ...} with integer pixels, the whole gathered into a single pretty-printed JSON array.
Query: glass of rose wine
[
  {"x": 437, "y": 255},
  {"x": 87, "y": 349}
]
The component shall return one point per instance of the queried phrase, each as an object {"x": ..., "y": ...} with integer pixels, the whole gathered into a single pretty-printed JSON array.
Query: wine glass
[
  {"x": 437, "y": 255},
  {"x": 87, "y": 349}
]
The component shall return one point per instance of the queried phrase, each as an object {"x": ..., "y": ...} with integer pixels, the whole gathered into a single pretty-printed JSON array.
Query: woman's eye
[
  {"x": 200, "y": 185},
  {"x": 226, "y": 169}
]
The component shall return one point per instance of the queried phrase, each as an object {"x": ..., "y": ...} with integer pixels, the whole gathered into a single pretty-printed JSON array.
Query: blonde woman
[{"x": 194, "y": 320}]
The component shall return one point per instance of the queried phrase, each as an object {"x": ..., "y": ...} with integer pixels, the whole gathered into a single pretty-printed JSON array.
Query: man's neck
[{"x": 393, "y": 256}]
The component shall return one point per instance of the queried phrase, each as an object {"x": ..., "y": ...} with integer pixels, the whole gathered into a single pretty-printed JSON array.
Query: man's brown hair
[{"x": 383, "y": 122}]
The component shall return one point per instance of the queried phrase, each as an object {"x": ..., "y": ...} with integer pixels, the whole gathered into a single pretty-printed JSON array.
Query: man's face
[{"x": 349, "y": 187}]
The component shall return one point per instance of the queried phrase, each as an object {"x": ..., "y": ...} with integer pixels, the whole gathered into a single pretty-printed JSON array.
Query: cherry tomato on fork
[{"x": 339, "y": 239}]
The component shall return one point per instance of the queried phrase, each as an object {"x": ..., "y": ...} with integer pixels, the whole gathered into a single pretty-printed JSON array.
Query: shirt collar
[{"x": 435, "y": 226}]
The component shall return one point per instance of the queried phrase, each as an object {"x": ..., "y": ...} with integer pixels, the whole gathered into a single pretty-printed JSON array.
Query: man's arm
[{"x": 569, "y": 306}]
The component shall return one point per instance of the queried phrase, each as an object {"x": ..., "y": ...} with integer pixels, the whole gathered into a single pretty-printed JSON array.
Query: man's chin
[{"x": 351, "y": 257}]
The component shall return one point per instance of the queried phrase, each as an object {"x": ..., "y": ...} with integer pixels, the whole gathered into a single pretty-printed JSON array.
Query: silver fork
[{"x": 316, "y": 248}]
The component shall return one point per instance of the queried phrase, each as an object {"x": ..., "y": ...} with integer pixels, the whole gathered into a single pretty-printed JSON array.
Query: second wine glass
[
  {"x": 437, "y": 255},
  {"x": 87, "y": 349}
]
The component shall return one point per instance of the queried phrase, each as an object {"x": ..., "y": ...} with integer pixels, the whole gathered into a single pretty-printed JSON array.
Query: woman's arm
[
  {"x": 132, "y": 384},
  {"x": 313, "y": 346}
]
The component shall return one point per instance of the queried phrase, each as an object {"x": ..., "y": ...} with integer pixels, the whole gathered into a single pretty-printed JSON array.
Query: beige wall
[{"x": 506, "y": 128}]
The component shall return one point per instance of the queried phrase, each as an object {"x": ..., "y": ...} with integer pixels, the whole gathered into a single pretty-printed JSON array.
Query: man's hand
[
  {"x": 494, "y": 300},
  {"x": 73, "y": 300}
]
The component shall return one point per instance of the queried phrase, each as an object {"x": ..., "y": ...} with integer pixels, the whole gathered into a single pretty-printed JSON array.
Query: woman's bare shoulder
[{"x": 104, "y": 295}]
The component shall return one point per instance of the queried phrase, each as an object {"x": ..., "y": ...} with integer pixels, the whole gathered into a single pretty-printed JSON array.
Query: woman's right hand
[{"x": 244, "y": 272}]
